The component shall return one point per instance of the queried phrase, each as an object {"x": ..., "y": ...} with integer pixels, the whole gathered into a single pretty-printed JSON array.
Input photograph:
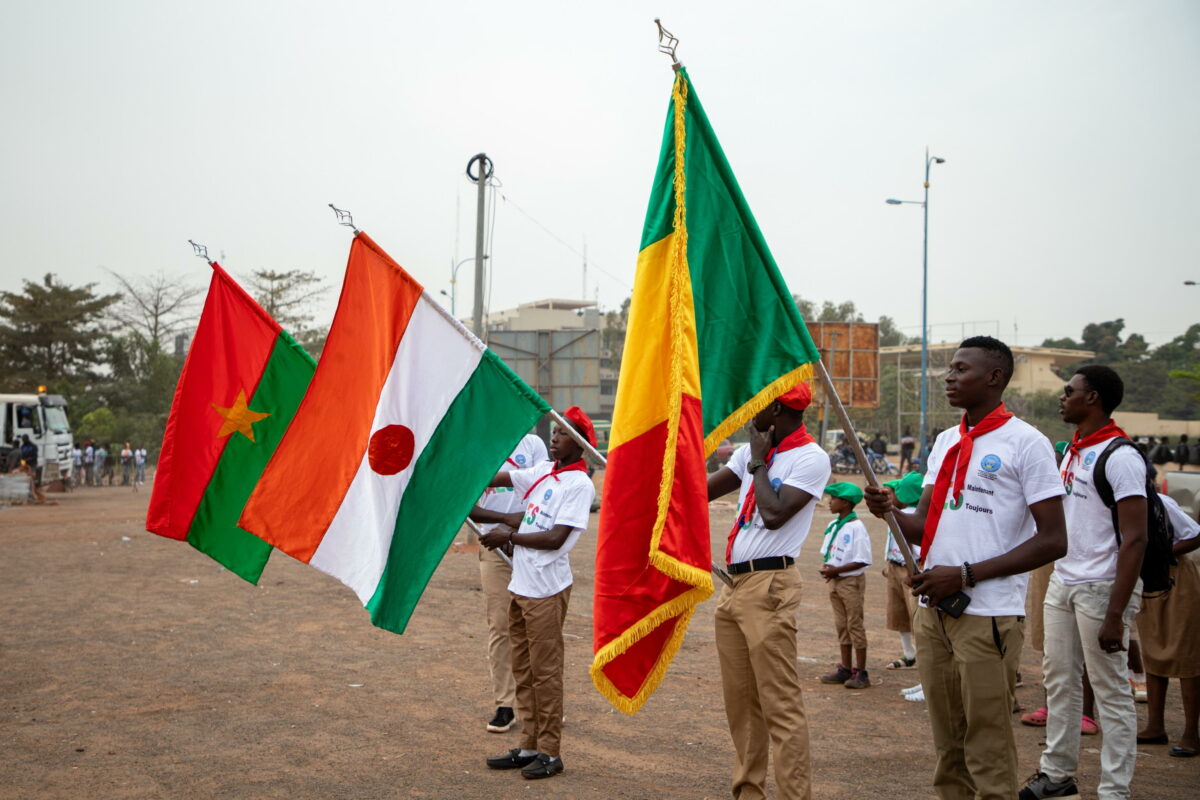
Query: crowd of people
[
  {"x": 996, "y": 505},
  {"x": 95, "y": 465}
]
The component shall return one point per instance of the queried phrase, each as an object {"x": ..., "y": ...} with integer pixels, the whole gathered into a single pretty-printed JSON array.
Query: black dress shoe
[
  {"x": 543, "y": 766},
  {"x": 511, "y": 760}
]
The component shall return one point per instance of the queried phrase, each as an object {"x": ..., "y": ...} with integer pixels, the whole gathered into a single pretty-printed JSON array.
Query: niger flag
[
  {"x": 241, "y": 384},
  {"x": 713, "y": 337}
]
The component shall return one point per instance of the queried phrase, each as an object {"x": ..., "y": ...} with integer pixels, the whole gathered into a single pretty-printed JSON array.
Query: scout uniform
[
  {"x": 993, "y": 472},
  {"x": 494, "y": 575},
  {"x": 756, "y": 620},
  {"x": 900, "y": 601},
  {"x": 847, "y": 542},
  {"x": 1075, "y": 607}
]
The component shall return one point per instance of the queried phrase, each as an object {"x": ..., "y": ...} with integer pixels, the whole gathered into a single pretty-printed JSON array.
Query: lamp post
[
  {"x": 454, "y": 282},
  {"x": 929, "y": 162}
]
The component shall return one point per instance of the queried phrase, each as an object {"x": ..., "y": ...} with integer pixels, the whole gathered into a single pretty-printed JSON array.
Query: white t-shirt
[
  {"x": 807, "y": 469},
  {"x": 1011, "y": 468},
  {"x": 852, "y": 544},
  {"x": 1185, "y": 527},
  {"x": 531, "y": 451},
  {"x": 566, "y": 501},
  {"x": 893, "y": 550},
  {"x": 1091, "y": 541},
  {"x": 139, "y": 456}
]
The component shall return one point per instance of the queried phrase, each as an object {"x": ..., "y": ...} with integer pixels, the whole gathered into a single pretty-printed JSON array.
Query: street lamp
[
  {"x": 929, "y": 162},
  {"x": 454, "y": 281}
]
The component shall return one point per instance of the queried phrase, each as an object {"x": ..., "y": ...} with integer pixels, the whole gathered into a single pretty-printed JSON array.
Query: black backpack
[{"x": 1160, "y": 534}]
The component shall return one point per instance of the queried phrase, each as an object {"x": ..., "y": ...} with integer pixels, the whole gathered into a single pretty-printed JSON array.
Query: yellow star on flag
[{"x": 239, "y": 418}]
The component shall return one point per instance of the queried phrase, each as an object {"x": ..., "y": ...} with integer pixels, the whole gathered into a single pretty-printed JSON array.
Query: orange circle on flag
[{"x": 391, "y": 449}]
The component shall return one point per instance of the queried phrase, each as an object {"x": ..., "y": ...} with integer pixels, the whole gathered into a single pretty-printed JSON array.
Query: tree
[
  {"x": 51, "y": 332},
  {"x": 289, "y": 298},
  {"x": 156, "y": 307}
]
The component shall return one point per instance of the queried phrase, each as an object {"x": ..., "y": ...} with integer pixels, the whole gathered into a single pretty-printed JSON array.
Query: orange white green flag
[
  {"x": 713, "y": 337},
  {"x": 406, "y": 420}
]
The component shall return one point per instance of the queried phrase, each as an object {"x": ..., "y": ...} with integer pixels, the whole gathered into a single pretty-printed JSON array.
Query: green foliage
[
  {"x": 289, "y": 298},
  {"x": 51, "y": 333},
  {"x": 99, "y": 425}
]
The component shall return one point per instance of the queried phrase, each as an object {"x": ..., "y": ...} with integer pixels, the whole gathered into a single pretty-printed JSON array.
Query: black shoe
[
  {"x": 543, "y": 766},
  {"x": 1040, "y": 786},
  {"x": 839, "y": 675},
  {"x": 503, "y": 721},
  {"x": 511, "y": 760}
]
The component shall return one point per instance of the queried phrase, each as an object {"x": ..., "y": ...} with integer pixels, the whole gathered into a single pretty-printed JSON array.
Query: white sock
[
  {"x": 906, "y": 644},
  {"x": 526, "y": 753},
  {"x": 1140, "y": 677},
  {"x": 911, "y": 689}
]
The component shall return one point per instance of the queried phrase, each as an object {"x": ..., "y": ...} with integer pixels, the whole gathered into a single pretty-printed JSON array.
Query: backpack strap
[{"x": 1104, "y": 488}]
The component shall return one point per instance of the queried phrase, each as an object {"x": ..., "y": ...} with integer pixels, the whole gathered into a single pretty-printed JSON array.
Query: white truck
[
  {"x": 1183, "y": 488},
  {"x": 43, "y": 418}
]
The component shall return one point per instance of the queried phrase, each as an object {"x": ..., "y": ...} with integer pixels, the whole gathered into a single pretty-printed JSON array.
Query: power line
[{"x": 564, "y": 242}]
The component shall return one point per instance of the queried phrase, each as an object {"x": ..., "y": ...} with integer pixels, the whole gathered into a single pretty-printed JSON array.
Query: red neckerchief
[
  {"x": 1109, "y": 431},
  {"x": 797, "y": 438},
  {"x": 555, "y": 472},
  {"x": 954, "y": 466},
  {"x": 510, "y": 461}
]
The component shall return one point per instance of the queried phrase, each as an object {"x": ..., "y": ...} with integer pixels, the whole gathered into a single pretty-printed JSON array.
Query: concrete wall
[{"x": 1141, "y": 423}]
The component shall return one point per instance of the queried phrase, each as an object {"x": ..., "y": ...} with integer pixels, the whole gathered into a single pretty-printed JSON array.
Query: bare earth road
[{"x": 135, "y": 667}]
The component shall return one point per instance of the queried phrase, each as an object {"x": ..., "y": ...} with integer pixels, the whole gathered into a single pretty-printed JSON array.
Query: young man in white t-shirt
[
  {"x": 1094, "y": 593},
  {"x": 777, "y": 476},
  {"x": 845, "y": 556},
  {"x": 494, "y": 576},
  {"x": 557, "y": 498},
  {"x": 991, "y": 512}
]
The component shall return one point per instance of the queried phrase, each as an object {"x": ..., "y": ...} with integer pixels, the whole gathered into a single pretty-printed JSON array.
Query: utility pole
[
  {"x": 583, "y": 295},
  {"x": 484, "y": 172}
]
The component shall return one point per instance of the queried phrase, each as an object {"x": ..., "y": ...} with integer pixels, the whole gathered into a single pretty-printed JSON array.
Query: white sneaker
[
  {"x": 916, "y": 697},
  {"x": 911, "y": 690}
]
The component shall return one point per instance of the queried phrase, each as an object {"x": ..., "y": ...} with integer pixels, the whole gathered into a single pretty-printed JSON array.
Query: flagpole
[
  {"x": 479, "y": 533},
  {"x": 861, "y": 456}
]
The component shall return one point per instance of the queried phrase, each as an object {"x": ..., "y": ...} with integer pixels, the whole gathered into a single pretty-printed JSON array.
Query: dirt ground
[{"x": 134, "y": 667}]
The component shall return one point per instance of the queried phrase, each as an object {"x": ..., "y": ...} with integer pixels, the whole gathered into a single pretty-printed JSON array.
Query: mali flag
[
  {"x": 713, "y": 337},
  {"x": 407, "y": 419},
  {"x": 242, "y": 381}
]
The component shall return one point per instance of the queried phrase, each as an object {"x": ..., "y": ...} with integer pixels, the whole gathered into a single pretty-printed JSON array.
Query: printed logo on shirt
[
  {"x": 546, "y": 496},
  {"x": 990, "y": 463},
  {"x": 845, "y": 538},
  {"x": 955, "y": 505},
  {"x": 1069, "y": 481},
  {"x": 520, "y": 459},
  {"x": 1089, "y": 459},
  {"x": 776, "y": 483},
  {"x": 531, "y": 513}
]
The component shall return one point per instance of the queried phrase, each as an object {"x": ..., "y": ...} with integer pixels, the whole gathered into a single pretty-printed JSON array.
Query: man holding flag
[
  {"x": 991, "y": 512},
  {"x": 777, "y": 474}
]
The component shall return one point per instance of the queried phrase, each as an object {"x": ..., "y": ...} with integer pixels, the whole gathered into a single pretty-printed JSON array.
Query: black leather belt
[{"x": 759, "y": 564}]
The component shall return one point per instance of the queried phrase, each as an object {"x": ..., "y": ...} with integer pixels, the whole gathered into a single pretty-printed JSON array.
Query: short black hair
[
  {"x": 1105, "y": 382},
  {"x": 997, "y": 348}
]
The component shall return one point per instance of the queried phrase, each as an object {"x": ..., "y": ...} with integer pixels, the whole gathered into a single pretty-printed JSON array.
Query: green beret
[
  {"x": 846, "y": 491},
  {"x": 908, "y": 489}
]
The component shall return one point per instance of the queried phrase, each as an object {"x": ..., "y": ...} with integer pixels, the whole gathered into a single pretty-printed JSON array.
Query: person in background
[
  {"x": 845, "y": 556},
  {"x": 126, "y": 464},
  {"x": 1183, "y": 452},
  {"x": 1169, "y": 624},
  {"x": 139, "y": 465},
  {"x": 907, "y": 443},
  {"x": 906, "y": 493}
]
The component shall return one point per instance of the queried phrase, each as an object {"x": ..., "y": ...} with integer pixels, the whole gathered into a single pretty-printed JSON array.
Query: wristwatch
[{"x": 755, "y": 464}]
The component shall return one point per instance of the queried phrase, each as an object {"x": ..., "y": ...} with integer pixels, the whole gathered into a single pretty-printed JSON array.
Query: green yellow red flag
[
  {"x": 242, "y": 381},
  {"x": 713, "y": 337}
]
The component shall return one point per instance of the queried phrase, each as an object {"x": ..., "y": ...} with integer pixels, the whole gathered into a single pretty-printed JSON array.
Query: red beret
[
  {"x": 798, "y": 397},
  {"x": 582, "y": 423}
]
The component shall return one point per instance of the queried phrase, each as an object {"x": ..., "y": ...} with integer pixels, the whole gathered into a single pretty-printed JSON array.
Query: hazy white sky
[{"x": 1071, "y": 133}]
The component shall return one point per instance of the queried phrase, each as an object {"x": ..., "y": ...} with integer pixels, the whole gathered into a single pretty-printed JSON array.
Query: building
[
  {"x": 551, "y": 314},
  {"x": 1035, "y": 369}
]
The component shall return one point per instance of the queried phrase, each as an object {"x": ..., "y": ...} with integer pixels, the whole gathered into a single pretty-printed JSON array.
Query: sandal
[
  {"x": 1035, "y": 718},
  {"x": 903, "y": 663},
  {"x": 1088, "y": 726}
]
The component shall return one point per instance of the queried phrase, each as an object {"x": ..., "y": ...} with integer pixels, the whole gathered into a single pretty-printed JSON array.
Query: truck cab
[{"x": 43, "y": 418}]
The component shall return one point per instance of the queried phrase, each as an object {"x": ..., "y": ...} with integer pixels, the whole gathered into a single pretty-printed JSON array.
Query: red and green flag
[
  {"x": 242, "y": 381},
  {"x": 713, "y": 337}
]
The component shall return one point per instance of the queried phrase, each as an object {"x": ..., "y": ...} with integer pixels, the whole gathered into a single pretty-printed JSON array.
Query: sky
[{"x": 1071, "y": 133}]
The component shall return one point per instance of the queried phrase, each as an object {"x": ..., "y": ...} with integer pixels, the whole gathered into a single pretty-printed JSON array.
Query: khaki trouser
[
  {"x": 846, "y": 597},
  {"x": 969, "y": 690},
  {"x": 1035, "y": 600},
  {"x": 756, "y": 644},
  {"x": 535, "y": 628},
  {"x": 494, "y": 577},
  {"x": 900, "y": 601}
]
